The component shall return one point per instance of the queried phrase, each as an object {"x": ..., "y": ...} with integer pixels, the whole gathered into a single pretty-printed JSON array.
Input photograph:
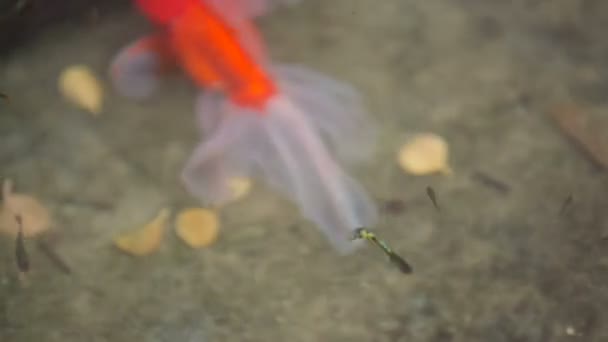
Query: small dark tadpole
[
  {"x": 4, "y": 96},
  {"x": 491, "y": 182},
  {"x": 431, "y": 193},
  {"x": 566, "y": 205},
  {"x": 23, "y": 262}
]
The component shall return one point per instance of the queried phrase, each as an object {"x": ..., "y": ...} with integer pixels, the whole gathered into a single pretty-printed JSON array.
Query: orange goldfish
[{"x": 282, "y": 124}]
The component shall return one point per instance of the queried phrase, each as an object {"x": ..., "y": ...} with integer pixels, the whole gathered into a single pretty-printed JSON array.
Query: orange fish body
[
  {"x": 279, "y": 124},
  {"x": 219, "y": 50},
  {"x": 211, "y": 52}
]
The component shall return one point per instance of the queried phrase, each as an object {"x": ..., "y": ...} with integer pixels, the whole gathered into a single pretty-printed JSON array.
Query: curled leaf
[
  {"x": 197, "y": 227},
  {"x": 425, "y": 153},
  {"x": 145, "y": 240},
  {"x": 79, "y": 85}
]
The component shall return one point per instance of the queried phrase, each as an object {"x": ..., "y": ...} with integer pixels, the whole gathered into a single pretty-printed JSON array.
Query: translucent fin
[
  {"x": 213, "y": 163},
  {"x": 283, "y": 147},
  {"x": 135, "y": 71},
  {"x": 334, "y": 108}
]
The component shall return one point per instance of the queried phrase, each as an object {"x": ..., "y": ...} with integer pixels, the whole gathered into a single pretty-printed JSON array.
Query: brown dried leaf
[
  {"x": 575, "y": 124},
  {"x": 35, "y": 216}
]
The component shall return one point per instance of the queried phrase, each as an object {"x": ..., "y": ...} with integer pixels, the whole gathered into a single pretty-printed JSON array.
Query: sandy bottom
[{"x": 491, "y": 266}]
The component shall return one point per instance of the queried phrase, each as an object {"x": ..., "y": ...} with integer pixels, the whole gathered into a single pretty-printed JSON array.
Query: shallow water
[{"x": 491, "y": 266}]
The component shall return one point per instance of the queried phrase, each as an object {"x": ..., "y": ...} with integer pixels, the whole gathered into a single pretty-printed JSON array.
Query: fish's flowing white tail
[
  {"x": 287, "y": 147},
  {"x": 334, "y": 108}
]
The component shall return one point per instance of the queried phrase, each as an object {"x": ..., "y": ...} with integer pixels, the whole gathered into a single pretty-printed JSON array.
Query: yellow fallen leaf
[
  {"x": 35, "y": 217},
  {"x": 79, "y": 85},
  {"x": 425, "y": 153},
  {"x": 145, "y": 240},
  {"x": 197, "y": 227}
]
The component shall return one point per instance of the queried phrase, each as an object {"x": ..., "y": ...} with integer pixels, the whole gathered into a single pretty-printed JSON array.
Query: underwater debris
[
  {"x": 79, "y": 85},
  {"x": 394, "y": 206},
  {"x": 425, "y": 153},
  {"x": 566, "y": 204},
  {"x": 363, "y": 233},
  {"x": 197, "y": 227},
  {"x": 35, "y": 217},
  {"x": 145, "y": 240}
]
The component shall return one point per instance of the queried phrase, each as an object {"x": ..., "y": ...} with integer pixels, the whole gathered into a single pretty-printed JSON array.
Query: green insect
[{"x": 363, "y": 233}]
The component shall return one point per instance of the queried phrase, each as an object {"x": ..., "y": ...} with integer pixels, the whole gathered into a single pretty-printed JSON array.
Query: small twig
[
  {"x": 86, "y": 203},
  {"x": 50, "y": 253},
  {"x": 491, "y": 182}
]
